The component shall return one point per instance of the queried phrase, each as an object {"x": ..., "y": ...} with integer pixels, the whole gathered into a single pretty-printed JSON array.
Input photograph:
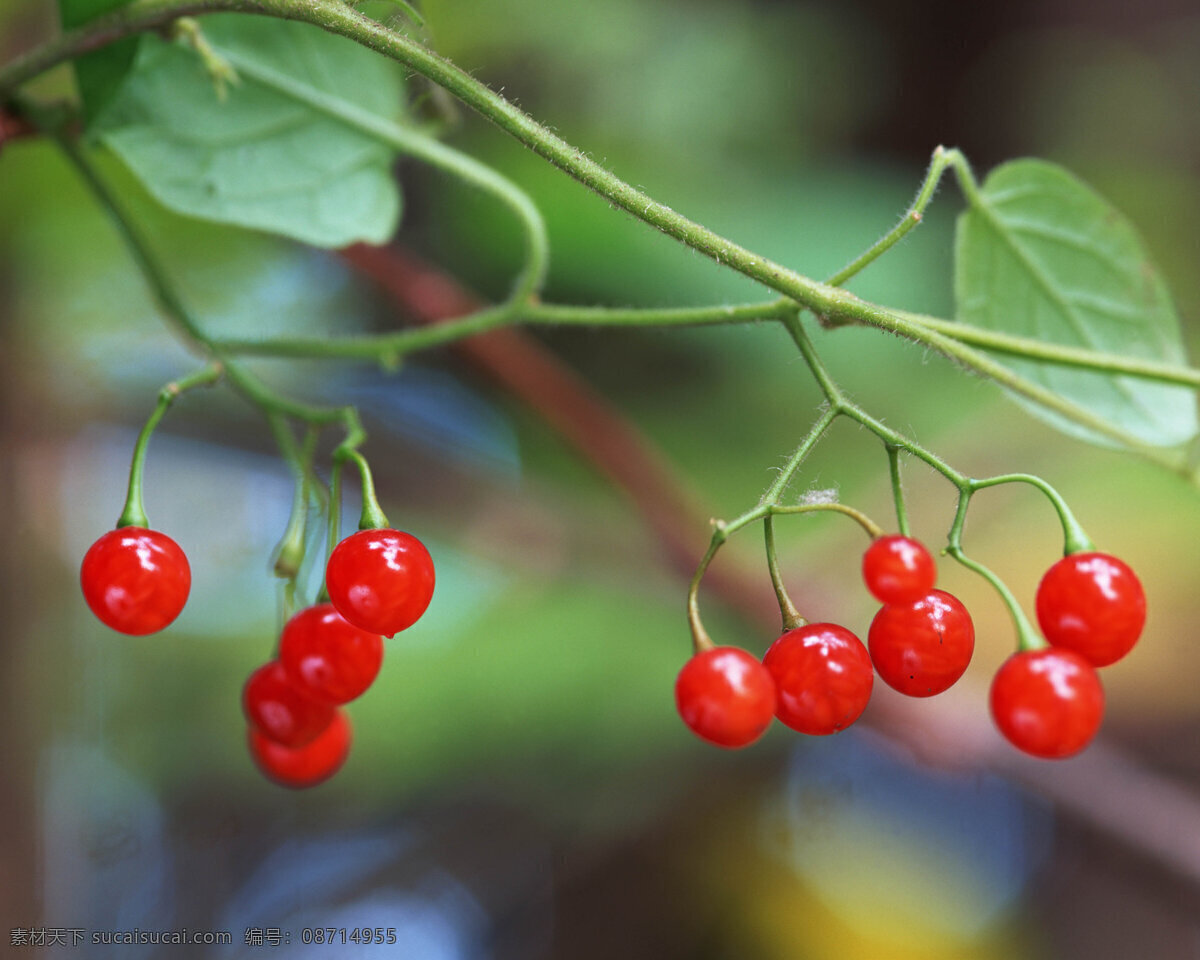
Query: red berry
[
  {"x": 922, "y": 648},
  {"x": 279, "y": 710},
  {"x": 725, "y": 696},
  {"x": 380, "y": 580},
  {"x": 1048, "y": 703},
  {"x": 328, "y": 658},
  {"x": 135, "y": 580},
  {"x": 898, "y": 569},
  {"x": 1092, "y": 603},
  {"x": 823, "y": 674},
  {"x": 304, "y": 766}
]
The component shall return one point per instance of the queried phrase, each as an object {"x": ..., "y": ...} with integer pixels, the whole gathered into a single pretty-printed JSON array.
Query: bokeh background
[{"x": 520, "y": 785}]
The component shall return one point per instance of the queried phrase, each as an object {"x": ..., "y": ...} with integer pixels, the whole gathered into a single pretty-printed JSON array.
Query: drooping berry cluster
[
  {"x": 922, "y": 639},
  {"x": 1049, "y": 702},
  {"x": 379, "y": 582},
  {"x": 817, "y": 678}
]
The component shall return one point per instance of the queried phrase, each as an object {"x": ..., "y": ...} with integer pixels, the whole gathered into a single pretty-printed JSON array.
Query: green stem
[
  {"x": 701, "y": 641},
  {"x": 942, "y": 158},
  {"x": 289, "y": 554},
  {"x": 134, "y": 513},
  {"x": 982, "y": 363},
  {"x": 373, "y": 517},
  {"x": 763, "y": 511},
  {"x": 392, "y": 346},
  {"x": 795, "y": 327},
  {"x": 334, "y": 533},
  {"x": 776, "y": 490},
  {"x": 787, "y": 609},
  {"x": 840, "y": 405},
  {"x": 1075, "y": 540},
  {"x": 893, "y": 455},
  {"x": 870, "y": 527},
  {"x": 1054, "y": 354},
  {"x": 1027, "y": 637}
]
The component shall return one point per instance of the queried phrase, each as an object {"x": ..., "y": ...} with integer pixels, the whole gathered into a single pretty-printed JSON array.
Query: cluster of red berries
[
  {"x": 817, "y": 678},
  {"x": 379, "y": 583},
  {"x": 1091, "y": 609}
]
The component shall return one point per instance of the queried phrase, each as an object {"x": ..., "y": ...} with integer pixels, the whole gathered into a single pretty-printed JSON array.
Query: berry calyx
[
  {"x": 922, "y": 648},
  {"x": 380, "y": 580},
  {"x": 1093, "y": 604},
  {"x": 1048, "y": 703},
  {"x": 326, "y": 657},
  {"x": 135, "y": 580},
  {"x": 725, "y": 696},
  {"x": 281, "y": 711},
  {"x": 823, "y": 674},
  {"x": 898, "y": 569},
  {"x": 305, "y": 766}
]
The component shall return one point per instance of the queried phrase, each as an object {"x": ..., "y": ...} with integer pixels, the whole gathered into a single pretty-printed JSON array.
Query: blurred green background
[{"x": 520, "y": 785}]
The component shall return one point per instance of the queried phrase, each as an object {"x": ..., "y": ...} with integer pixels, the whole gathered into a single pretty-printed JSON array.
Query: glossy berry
[
  {"x": 304, "y": 766},
  {"x": 898, "y": 569},
  {"x": 1092, "y": 603},
  {"x": 279, "y": 710},
  {"x": 922, "y": 648},
  {"x": 823, "y": 675},
  {"x": 725, "y": 696},
  {"x": 380, "y": 580},
  {"x": 328, "y": 658},
  {"x": 1048, "y": 703},
  {"x": 135, "y": 580}
]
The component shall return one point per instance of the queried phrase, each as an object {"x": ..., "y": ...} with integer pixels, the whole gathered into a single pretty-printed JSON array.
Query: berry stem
[
  {"x": 373, "y": 517},
  {"x": 289, "y": 554},
  {"x": 1027, "y": 637},
  {"x": 335, "y": 508},
  {"x": 701, "y": 641},
  {"x": 1075, "y": 540},
  {"x": 787, "y": 609},
  {"x": 893, "y": 453},
  {"x": 870, "y": 527},
  {"x": 134, "y": 513}
]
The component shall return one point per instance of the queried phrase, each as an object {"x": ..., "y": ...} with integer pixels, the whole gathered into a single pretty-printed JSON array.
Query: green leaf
[
  {"x": 1040, "y": 254},
  {"x": 98, "y": 74},
  {"x": 277, "y": 151}
]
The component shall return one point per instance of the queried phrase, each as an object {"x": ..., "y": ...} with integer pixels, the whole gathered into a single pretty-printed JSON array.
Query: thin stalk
[
  {"x": 893, "y": 455},
  {"x": 787, "y": 609},
  {"x": 134, "y": 512},
  {"x": 1075, "y": 539},
  {"x": 289, "y": 553},
  {"x": 942, "y": 158},
  {"x": 389, "y": 347}
]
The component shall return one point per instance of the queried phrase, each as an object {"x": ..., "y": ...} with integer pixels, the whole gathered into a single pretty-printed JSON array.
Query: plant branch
[
  {"x": 392, "y": 346},
  {"x": 134, "y": 513}
]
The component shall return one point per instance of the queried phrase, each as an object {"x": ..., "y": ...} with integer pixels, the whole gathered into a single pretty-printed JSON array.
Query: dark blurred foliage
[{"x": 520, "y": 785}]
